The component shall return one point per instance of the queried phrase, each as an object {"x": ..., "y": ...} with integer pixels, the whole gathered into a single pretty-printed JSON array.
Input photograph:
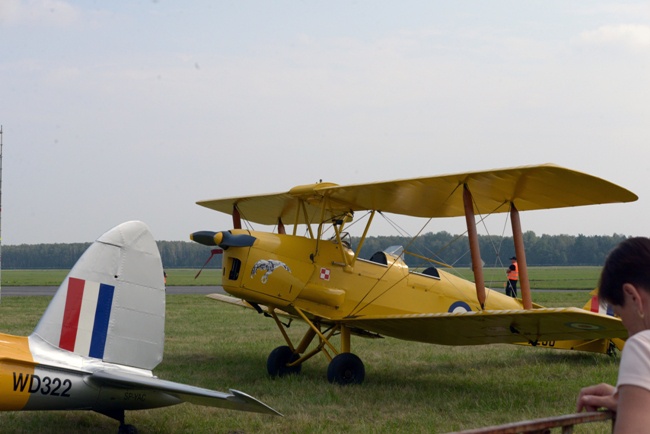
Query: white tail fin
[{"x": 111, "y": 306}]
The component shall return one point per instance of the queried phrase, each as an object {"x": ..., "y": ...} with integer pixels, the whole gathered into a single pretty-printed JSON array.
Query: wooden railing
[{"x": 544, "y": 425}]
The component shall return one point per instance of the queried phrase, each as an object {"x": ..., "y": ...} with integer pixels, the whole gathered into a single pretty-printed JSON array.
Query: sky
[{"x": 135, "y": 110}]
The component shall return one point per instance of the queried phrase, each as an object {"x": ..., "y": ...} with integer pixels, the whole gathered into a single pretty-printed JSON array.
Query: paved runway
[{"x": 13, "y": 291}]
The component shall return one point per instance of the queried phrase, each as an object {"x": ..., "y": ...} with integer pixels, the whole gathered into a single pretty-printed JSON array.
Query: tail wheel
[
  {"x": 346, "y": 368},
  {"x": 276, "y": 364}
]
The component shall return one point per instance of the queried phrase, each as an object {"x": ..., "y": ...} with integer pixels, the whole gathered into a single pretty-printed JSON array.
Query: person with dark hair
[
  {"x": 513, "y": 276},
  {"x": 625, "y": 284}
]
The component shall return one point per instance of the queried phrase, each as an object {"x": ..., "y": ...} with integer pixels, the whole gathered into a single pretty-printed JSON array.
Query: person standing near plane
[
  {"x": 513, "y": 277},
  {"x": 625, "y": 285}
]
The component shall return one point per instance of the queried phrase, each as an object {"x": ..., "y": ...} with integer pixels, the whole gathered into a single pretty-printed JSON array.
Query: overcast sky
[{"x": 123, "y": 110}]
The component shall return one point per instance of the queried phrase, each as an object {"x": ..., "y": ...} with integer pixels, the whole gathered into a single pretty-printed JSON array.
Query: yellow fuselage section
[
  {"x": 321, "y": 277},
  {"x": 16, "y": 363}
]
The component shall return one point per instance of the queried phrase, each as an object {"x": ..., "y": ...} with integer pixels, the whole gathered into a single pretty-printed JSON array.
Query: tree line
[
  {"x": 544, "y": 250},
  {"x": 174, "y": 254}
]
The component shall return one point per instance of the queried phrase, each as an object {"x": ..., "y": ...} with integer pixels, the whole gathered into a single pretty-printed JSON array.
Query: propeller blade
[
  {"x": 223, "y": 239},
  {"x": 204, "y": 237}
]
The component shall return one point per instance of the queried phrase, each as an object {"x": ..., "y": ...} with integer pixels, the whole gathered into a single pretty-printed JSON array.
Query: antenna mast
[{"x": 0, "y": 212}]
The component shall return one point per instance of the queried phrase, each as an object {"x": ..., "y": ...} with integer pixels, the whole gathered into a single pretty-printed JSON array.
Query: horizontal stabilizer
[{"x": 234, "y": 400}]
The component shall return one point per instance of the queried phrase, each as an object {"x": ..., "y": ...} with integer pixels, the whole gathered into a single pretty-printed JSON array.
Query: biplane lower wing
[
  {"x": 230, "y": 300},
  {"x": 489, "y": 327},
  {"x": 485, "y": 327},
  {"x": 243, "y": 303}
]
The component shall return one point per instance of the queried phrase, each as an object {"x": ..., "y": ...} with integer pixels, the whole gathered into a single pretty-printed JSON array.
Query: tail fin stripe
[
  {"x": 595, "y": 305},
  {"x": 102, "y": 316},
  {"x": 86, "y": 317},
  {"x": 602, "y": 308},
  {"x": 71, "y": 314}
]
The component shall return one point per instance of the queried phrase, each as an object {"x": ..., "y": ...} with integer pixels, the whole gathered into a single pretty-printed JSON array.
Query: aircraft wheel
[
  {"x": 346, "y": 368},
  {"x": 276, "y": 364},
  {"x": 127, "y": 429}
]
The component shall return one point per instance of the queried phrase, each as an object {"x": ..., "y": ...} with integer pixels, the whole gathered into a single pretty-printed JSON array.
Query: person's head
[
  {"x": 513, "y": 259},
  {"x": 629, "y": 263},
  {"x": 625, "y": 283}
]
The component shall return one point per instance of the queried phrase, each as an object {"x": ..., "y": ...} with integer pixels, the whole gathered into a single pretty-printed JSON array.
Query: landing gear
[
  {"x": 346, "y": 368},
  {"x": 118, "y": 415},
  {"x": 276, "y": 364},
  {"x": 127, "y": 429}
]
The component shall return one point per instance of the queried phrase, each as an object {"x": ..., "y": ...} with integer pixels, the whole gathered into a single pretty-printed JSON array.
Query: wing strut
[
  {"x": 477, "y": 265},
  {"x": 363, "y": 237},
  {"x": 236, "y": 217},
  {"x": 520, "y": 253}
]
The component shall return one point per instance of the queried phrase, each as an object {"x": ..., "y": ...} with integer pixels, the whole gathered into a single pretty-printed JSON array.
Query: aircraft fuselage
[
  {"x": 286, "y": 270},
  {"x": 26, "y": 384}
]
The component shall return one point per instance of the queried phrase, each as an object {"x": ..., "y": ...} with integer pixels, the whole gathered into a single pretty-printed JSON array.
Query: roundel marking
[
  {"x": 584, "y": 326},
  {"x": 459, "y": 307}
]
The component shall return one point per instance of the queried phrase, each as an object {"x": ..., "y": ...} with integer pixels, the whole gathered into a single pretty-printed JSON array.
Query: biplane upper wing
[
  {"x": 496, "y": 326},
  {"x": 299, "y": 205},
  {"x": 528, "y": 187}
]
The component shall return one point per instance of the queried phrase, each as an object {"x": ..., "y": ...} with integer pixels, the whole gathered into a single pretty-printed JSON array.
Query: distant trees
[
  {"x": 568, "y": 250},
  {"x": 557, "y": 250},
  {"x": 185, "y": 254},
  {"x": 42, "y": 256},
  {"x": 174, "y": 254}
]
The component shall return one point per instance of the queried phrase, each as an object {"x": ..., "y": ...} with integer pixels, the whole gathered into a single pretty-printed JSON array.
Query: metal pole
[{"x": 0, "y": 213}]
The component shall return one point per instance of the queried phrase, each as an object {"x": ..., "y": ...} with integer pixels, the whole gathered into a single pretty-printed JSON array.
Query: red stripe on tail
[
  {"x": 595, "y": 305},
  {"x": 71, "y": 313}
]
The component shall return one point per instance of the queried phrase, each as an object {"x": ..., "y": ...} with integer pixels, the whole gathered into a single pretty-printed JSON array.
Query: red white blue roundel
[{"x": 459, "y": 307}]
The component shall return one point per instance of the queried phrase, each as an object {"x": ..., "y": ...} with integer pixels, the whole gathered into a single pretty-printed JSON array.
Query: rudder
[
  {"x": 594, "y": 304},
  {"x": 111, "y": 306}
]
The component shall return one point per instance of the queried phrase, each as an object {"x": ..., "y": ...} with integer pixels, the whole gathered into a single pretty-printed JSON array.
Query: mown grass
[
  {"x": 409, "y": 387},
  {"x": 578, "y": 277},
  {"x": 540, "y": 277},
  {"x": 175, "y": 277}
]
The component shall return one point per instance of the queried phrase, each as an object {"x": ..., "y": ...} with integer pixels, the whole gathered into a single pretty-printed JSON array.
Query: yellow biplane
[{"x": 320, "y": 279}]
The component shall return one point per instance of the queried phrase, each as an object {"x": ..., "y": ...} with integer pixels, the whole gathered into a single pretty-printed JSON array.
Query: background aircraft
[
  {"x": 100, "y": 337},
  {"x": 320, "y": 279}
]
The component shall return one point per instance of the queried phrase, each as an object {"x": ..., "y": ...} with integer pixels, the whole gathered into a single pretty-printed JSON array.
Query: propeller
[{"x": 223, "y": 239}]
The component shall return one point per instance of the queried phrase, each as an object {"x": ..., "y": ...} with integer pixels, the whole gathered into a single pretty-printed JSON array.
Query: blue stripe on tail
[{"x": 102, "y": 317}]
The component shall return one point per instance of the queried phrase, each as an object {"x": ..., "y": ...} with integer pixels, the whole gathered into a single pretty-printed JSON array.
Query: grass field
[
  {"x": 175, "y": 277},
  {"x": 540, "y": 277},
  {"x": 409, "y": 387}
]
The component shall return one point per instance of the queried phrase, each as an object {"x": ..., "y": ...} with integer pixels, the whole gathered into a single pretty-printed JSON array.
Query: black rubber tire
[
  {"x": 346, "y": 368},
  {"x": 127, "y": 429},
  {"x": 276, "y": 364}
]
